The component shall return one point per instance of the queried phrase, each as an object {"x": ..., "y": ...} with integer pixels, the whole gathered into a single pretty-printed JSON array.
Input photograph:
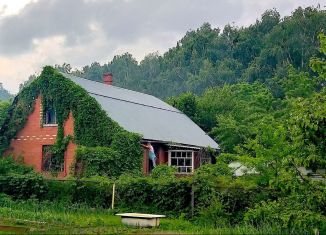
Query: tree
[{"x": 185, "y": 103}]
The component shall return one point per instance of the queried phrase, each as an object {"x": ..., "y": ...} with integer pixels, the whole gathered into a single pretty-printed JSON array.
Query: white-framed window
[{"x": 183, "y": 160}]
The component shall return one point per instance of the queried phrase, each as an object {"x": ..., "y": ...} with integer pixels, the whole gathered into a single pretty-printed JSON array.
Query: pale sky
[{"x": 34, "y": 33}]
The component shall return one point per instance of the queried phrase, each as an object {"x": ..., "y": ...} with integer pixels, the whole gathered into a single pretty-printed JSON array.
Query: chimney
[{"x": 107, "y": 78}]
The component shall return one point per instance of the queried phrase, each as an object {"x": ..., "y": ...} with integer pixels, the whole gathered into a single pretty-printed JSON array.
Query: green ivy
[{"x": 92, "y": 126}]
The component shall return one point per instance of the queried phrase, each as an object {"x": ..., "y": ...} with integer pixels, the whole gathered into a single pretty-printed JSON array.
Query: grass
[{"x": 49, "y": 218}]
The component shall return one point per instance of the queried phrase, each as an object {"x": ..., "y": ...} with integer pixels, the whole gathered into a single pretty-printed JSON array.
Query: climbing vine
[{"x": 92, "y": 126}]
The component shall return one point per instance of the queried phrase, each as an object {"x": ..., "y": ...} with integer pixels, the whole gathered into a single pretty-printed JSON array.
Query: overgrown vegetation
[{"x": 220, "y": 201}]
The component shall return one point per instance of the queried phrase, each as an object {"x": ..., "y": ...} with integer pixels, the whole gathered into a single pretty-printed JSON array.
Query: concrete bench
[{"x": 140, "y": 220}]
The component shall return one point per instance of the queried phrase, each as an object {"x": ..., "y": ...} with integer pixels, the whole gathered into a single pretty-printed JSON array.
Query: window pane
[
  {"x": 183, "y": 169},
  {"x": 181, "y": 162},
  {"x": 173, "y": 162},
  {"x": 188, "y": 162},
  {"x": 178, "y": 154},
  {"x": 188, "y": 169},
  {"x": 49, "y": 116}
]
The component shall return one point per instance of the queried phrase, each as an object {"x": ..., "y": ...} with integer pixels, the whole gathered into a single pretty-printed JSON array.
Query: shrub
[
  {"x": 214, "y": 215},
  {"x": 286, "y": 213},
  {"x": 163, "y": 172},
  {"x": 154, "y": 195},
  {"x": 9, "y": 165},
  {"x": 94, "y": 192},
  {"x": 5, "y": 200},
  {"x": 23, "y": 186}
]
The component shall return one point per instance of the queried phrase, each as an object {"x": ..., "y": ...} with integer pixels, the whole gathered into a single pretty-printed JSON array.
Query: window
[
  {"x": 49, "y": 116},
  {"x": 182, "y": 159},
  {"x": 49, "y": 161},
  {"x": 205, "y": 159}
]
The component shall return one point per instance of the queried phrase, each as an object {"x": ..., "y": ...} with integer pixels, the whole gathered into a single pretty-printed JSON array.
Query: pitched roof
[{"x": 145, "y": 114}]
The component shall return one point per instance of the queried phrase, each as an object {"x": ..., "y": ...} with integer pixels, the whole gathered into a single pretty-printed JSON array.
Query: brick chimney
[{"x": 107, "y": 78}]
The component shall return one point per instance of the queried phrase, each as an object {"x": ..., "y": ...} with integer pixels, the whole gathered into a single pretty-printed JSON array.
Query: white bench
[{"x": 140, "y": 220}]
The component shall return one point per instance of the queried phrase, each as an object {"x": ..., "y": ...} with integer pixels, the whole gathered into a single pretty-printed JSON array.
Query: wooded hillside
[
  {"x": 210, "y": 57},
  {"x": 4, "y": 94}
]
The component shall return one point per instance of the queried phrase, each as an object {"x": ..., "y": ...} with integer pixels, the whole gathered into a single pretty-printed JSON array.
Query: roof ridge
[
  {"x": 128, "y": 101},
  {"x": 69, "y": 74}
]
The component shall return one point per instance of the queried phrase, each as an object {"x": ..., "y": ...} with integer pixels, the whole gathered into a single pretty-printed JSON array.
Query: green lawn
[{"x": 51, "y": 218}]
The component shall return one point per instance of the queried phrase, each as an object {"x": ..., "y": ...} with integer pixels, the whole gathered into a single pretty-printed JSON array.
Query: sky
[{"x": 35, "y": 33}]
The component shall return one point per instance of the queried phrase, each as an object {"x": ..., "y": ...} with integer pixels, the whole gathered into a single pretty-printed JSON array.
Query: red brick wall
[{"x": 29, "y": 141}]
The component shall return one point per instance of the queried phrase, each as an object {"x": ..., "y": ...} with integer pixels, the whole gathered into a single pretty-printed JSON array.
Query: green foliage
[
  {"x": 309, "y": 130},
  {"x": 214, "y": 215},
  {"x": 294, "y": 216},
  {"x": 21, "y": 108},
  {"x": 231, "y": 112},
  {"x": 128, "y": 146},
  {"x": 23, "y": 186},
  {"x": 318, "y": 65},
  {"x": 186, "y": 103},
  {"x": 5, "y": 199},
  {"x": 20, "y": 181},
  {"x": 163, "y": 172},
  {"x": 90, "y": 130},
  {"x": 170, "y": 196},
  {"x": 226, "y": 198},
  {"x": 4, "y": 106},
  {"x": 105, "y": 161},
  {"x": 212, "y": 170},
  {"x": 206, "y": 57},
  {"x": 93, "y": 192}
]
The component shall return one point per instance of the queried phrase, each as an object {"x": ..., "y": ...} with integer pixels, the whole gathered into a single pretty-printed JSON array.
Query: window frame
[
  {"x": 182, "y": 151},
  {"x": 45, "y": 116},
  {"x": 61, "y": 167}
]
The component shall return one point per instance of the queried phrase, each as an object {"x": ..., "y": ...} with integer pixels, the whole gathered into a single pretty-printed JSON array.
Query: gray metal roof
[{"x": 145, "y": 114}]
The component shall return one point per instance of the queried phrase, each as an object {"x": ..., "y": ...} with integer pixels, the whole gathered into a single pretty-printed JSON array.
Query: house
[{"x": 176, "y": 139}]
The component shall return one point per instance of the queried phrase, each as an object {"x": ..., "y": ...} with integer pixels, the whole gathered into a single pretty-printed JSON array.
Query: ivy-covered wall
[{"x": 92, "y": 126}]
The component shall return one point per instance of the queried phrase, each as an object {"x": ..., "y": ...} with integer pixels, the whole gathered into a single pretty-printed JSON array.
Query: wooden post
[
  {"x": 192, "y": 201},
  {"x": 145, "y": 162},
  {"x": 113, "y": 195}
]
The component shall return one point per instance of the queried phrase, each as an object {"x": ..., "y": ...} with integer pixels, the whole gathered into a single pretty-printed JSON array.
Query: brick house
[{"x": 177, "y": 140}]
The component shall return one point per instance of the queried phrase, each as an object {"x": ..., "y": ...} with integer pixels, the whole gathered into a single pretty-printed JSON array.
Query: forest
[{"x": 259, "y": 91}]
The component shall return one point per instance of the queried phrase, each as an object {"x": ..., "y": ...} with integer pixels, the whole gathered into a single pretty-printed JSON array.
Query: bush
[
  {"x": 61, "y": 191},
  {"x": 5, "y": 200},
  {"x": 214, "y": 215},
  {"x": 163, "y": 172},
  {"x": 214, "y": 183},
  {"x": 23, "y": 186},
  {"x": 8, "y": 165},
  {"x": 154, "y": 195},
  {"x": 286, "y": 213},
  {"x": 94, "y": 192}
]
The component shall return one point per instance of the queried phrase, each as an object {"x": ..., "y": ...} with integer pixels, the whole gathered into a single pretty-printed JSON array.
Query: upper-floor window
[
  {"x": 182, "y": 159},
  {"x": 49, "y": 115}
]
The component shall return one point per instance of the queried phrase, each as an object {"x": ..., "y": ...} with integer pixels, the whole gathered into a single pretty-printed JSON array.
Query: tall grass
[{"x": 54, "y": 217}]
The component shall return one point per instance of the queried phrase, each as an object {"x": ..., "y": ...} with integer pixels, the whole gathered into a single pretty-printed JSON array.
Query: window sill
[{"x": 50, "y": 125}]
